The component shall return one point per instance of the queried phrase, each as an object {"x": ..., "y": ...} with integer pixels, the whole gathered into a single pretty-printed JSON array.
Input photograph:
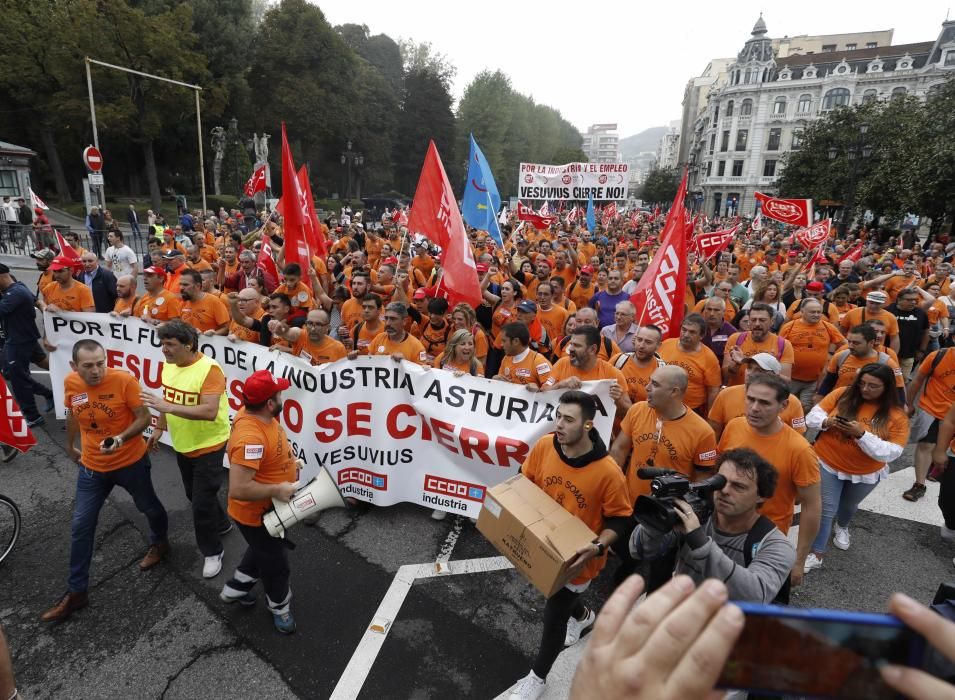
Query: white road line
[
  {"x": 444, "y": 554},
  {"x": 359, "y": 666},
  {"x": 39, "y": 371}
]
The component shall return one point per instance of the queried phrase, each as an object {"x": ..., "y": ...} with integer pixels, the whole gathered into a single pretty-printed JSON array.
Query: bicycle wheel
[{"x": 9, "y": 526}]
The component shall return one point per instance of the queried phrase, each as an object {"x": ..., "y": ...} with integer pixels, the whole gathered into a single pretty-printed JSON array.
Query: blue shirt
[
  {"x": 605, "y": 304},
  {"x": 18, "y": 315}
]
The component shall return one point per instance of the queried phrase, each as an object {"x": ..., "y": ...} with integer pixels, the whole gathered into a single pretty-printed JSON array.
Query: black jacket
[{"x": 103, "y": 288}]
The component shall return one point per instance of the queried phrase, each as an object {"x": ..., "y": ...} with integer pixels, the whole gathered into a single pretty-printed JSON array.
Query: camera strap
[{"x": 656, "y": 446}]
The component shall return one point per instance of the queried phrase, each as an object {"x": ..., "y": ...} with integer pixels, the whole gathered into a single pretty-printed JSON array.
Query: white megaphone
[{"x": 318, "y": 494}]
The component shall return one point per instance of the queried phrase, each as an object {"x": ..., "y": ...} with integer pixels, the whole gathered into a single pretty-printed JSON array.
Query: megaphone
[{"x": 320, "y": 493}]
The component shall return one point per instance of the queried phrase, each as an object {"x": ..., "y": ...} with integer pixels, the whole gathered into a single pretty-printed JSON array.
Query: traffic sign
[
  {"x": 93, "y": 158},
  {"x": 96, "y": 179}
]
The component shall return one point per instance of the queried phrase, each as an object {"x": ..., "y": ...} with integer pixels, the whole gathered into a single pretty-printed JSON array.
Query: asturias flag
[
  {"x": 591, "y": 217},
  {"x": 481, "y": 198}
]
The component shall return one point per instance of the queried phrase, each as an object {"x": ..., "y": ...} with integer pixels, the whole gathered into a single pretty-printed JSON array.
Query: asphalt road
[{"x": 165, "y": 634}]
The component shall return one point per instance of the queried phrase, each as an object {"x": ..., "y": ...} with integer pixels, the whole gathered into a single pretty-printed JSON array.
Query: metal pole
[
  {"x": 100, "y": 189},
  {"x": 202, "y": 164}
]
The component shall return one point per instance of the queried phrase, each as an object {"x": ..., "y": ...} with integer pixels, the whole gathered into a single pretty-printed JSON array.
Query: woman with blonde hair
[
  {"x": 463, "y": 317},
  {"x": 458, "y": 355}
]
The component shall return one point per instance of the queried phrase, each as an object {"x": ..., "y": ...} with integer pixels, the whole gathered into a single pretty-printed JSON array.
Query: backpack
[
  {"x": 780, "y": 343},
  {"x": 754, "y": 538},
  {"x": 624, "y": 356},
  {"x": 843, "y": 356}
]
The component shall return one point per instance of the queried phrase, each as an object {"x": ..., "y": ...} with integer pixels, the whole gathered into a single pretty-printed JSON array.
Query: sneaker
[
  {"x": 841, "y": 539},
  {"x": 226, "y": 529},
  {"x": 947, "y": 535},
  {"x": 530, "y": 687},
  {"x": 812, "y": 562},
  {"x": 439, "y": 514},
  {"x": 576, "y": 627},
  {"x": 212, "y": 565},
  {"x": 39, "y": 420},
  {"x": 284, "y": 622},
  {"x": 914, "y": 493},
  {"x": 8, "y": 453},
  {"x": 49, "y": 404},
  {"x": 246, "y": 600}
]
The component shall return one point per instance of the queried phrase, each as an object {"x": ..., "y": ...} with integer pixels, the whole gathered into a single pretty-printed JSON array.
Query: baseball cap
[
  {"x": 815, "y": 286},
  {"x": 766, "y": 361},
  {"x": 262, "y": 386},
  {"x": 527, "y": 306},
  {"x": 481, "y": 268},
  {"x": 173, "y": 253},
  {"x": 390, "y": 260},
  {"x": 45, "y": 254},
  {"x": 4, "y": 270},
  {"x": 61, "y": 262},
  {"x": 153, "y": 270},
  {"x": 587, "y": 270},
  {"x": 877, "y": 297},
  {"x": 419, "y": 294}
]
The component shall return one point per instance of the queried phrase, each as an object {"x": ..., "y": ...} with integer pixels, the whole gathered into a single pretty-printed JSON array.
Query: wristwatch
[{"x": 601, "y": 548}]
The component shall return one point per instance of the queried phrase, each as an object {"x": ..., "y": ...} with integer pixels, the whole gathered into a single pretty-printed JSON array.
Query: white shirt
[
  {"x": 121, "y": 260},
  {"x": 10, "y": 212}
]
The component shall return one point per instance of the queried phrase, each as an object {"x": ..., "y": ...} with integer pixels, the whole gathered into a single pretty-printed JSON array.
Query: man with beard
[
  {"x": 204, "y": 312},
  {"x": 697, "y": 360},
  {"x": 395, "y": 342},
  {"x": 754, "y": 341},
  {"x": 581, "y": 364},
  {"x": 638, "y": 366},
  {"x": 125, "y": 296},
  {"x": 574, "y": 455}
]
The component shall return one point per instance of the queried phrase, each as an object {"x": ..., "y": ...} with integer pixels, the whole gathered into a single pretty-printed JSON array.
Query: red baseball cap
[
  {"x": 815, "y": 286},
  {"x": 262, "y": 386},
  {"x": 481, "y": 268},
  {"x": 153, "y": 270},
  {"x": 392, "y": 260},
  {"x": 61, "y": 262},
  {"x": 419, "y": 294},
  {"x": 587, "y": 270}
]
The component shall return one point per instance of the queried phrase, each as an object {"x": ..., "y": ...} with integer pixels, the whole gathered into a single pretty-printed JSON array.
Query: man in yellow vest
[{"x": 194, "y": 408}]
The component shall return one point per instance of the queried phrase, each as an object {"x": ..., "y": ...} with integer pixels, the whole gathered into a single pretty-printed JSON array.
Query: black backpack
[{"x": 754, "y": 538}]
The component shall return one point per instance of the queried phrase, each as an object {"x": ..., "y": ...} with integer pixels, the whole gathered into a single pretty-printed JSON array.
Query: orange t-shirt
[
  {"x": 638, "y": 378},
  {"x": 501, "y": 317},
  {"x": 424, "y": 264},
  {"x": 351, "y": 313},
  {"x": 567, "y": 274},
  {"x": 435, "y": 340},
  {"x": 78, "y": 297},
  {"x": 896, "y": 284},
  {"x": 410, "y": 347},
  {"x": 938, "y": 309},
  {"x": 205, "y": 314},
  {"x": 601, "y": 370},
  {"x": 786, "y": 450},
  {"x": 533, "y": 368},
  {"x": 553, "y": 320},
  {"x": 702, "y": 368},
  {"x": 579, "y": 294},
  {"x": 731, "y": 403},
  {"x": 441, "y": 362},
  {"x": 373, "y": 248},
  {"x": 103, "y": 411},
  {"x": 682, "y": 444},
  {"x": 846, "y": 373},
  {"x": 263, "y": 447},
  {"x": 480, "y": 342},
  {"x": 122, "y": 305},
  {"x": 842, "y": 452},
  {"x": 162, "y": 307},
  {"x": 172, "y": 279},
  {"x": 200, "y": 265},
  {"x": 810, "y": 346},
  {"x": 366, "y": 334},
  {"x": 858, "y": 316},
  {"x": 300, "y": 295},
  {"x": 939, "y": 392},
  {"x": 591, "y": 493},
  {"x": 247, "y": 334},
  {"x": 326, "y": 350},
  {"x": 750, "y": 347}
]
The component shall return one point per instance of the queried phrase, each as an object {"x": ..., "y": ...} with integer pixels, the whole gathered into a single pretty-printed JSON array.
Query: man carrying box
[{"x": 572, "y": 466}]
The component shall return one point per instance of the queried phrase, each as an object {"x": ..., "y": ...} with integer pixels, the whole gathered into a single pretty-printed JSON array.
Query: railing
[{"x": 17, "y": 239}]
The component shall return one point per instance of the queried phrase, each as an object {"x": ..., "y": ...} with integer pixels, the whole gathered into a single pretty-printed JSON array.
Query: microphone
[{"x": 654, "y": 472}]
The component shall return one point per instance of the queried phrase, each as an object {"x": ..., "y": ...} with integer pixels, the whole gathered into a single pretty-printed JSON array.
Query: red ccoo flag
[
  {"x": 660, "y": 293},
  {"x": 435, "y": 213},
  {"x": 814, "y": 236},
  {"x": 709, "y": 245},
  {"x": 266, "y": 265},
  {"x": 525, "y": 213},
  {"x": 14, "y": 430},
  {"x": 256, "y": 183},
  {"x": 313, "y": 230},
  {"x": 66, "y": 250},
  {"x": 854, "y": 254},
  {"x": 294, "y": 210},
  {"x": 797, "y": 212}
]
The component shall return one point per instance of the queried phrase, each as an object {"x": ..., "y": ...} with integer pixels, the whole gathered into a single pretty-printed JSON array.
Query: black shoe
[
  {"x": 39, "y": 420},
  {"x": 8, "y": 453}
]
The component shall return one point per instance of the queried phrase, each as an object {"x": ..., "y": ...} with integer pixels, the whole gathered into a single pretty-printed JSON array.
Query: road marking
[
  {"x": 886, "y": 499},
  {"x": 359, "y": 666},
  {"x": 444, "y": 553},
  {"x": 39, "y": 371}
]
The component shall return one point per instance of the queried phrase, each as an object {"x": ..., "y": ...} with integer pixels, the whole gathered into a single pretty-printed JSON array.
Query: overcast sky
[{"x": 617, "y": 61}]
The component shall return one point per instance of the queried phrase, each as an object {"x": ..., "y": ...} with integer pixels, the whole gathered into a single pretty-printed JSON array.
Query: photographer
[{"x": 735, "y": 544}]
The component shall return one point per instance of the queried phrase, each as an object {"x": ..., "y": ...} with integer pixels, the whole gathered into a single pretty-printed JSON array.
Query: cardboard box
[{"x": 533, "y": 531}]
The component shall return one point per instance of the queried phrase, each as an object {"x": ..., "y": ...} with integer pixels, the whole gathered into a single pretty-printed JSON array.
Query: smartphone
[{"x": 817, "y": 653}]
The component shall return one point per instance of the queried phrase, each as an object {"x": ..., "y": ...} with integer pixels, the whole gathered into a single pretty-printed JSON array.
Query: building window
[
  {"x": 709, "y": 168},
  {"x": 769, "y": 168},
  {"x": 774, "y": 137},
  {"x": 797, "y": 140},
  {"x": 725, "y": 141},
  {"x": 746, "y": 109},
  {"x": 712, "y": 143},
  {"x": 850, "y": 47},
  {"x": 729, "y": 108},
  {"x": 949, "y": 58},
  {"x": 898, "y": 92},
  {"x": 869, "y": 95},
  {"x": 805, "y": 103},
  {"x": 721, "y": 169},
  {"x": 835, "y": 98},
  {"x": 716, "y": 114},
  {"x": 8, "y": 183},
  {"x": 737, "y": 168},
  {"x": 779, "y": 106},
  {"x": 741, "y": 137},
  {"x": 828, "y": 48},
  {"x": 872, "y": 44}
]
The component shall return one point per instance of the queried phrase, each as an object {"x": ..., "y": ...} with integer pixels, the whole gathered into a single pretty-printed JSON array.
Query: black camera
[{"x": 656, "y": 511}]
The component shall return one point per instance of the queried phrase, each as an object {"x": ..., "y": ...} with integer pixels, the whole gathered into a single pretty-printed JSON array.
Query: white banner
[
  {"x": 573, "y": 181},
  {"x": 386, "y": 432}
]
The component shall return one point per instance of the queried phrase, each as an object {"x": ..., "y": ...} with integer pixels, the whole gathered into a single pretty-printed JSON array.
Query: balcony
[
  {"x": 745, "y": 119},
  {"x": 809, "y": 114}
]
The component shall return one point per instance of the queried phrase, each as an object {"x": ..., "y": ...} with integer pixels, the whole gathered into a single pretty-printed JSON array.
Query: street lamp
[
  {"x": 855, "y": 154},
  {"x": 351, "y": 158}
]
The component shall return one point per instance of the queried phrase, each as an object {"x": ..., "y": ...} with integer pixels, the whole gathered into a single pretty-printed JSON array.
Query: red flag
[
  {"x": 634, "y": 219},
  {"x": 656, "y": 213},
  {"x": 572, "y": 216},
  {"x": 660, "y": 293},
  {"x": 525, "y": 213},
  {"x": 313, "y": 231},
  {"x": 266, "y": 265},
  {"x": 256, "y": 183},
  {"x": 66, "y": 250},
  {"x": 813, "y": 236},
  {"x": 294, "y": 211},
  {"x": 609, "y": 212},
  {"x": 435, "y": 213},
  {"x": 854, "y": 254},
  {"x": 797, "y": 212},
  {"x": 709, "y": 245},
  {"x": 14, "y": 430}
]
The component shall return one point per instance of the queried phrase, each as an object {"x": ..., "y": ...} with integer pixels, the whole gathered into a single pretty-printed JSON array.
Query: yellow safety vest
[{"x": 182, "y": 386}]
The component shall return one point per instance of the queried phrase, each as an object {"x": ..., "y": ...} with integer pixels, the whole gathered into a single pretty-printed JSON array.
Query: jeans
[
  {"x": 946, "y": 494},
  {"x": 16, "y": 359},
  {"x": 557, "y": 612},
  {"x": 96, "y": 242},
  {"x": 92, "y": 488},
  {"x": 265, "y": 558},
  {"x": 804, "y": 392},
  {"x": 202, "y": 477},
  {"x": 840, "y": 500}
]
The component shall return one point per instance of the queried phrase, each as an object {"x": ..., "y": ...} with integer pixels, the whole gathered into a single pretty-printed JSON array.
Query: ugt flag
[{"x": 481, "y": 198}]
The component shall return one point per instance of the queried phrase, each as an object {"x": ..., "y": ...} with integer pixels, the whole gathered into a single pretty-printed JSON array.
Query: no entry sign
[{"x": 93, "y": 158}]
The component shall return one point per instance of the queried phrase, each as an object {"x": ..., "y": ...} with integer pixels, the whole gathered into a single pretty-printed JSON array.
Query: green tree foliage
[
  {"x": 426, "y": 114},
  {"x": 660, "y": 186}
]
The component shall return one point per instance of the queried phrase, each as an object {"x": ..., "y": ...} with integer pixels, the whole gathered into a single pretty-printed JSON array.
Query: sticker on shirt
[
  {"x": 711, "y": 454},
  {"x": 154, "y": 310},
  {"x": 423, "y": 356},
  {"x": 79, "y": 399},
  {"x": 254, "y": 451},
  {"x": 159, "y": 301},
  {"x": 798, "y": 423},
  {"x": 542, "y": 368},
  {"x": 302, "y": 297},
  {"x": 381, "y": 348},
  {"x": 522, "y": 372}
]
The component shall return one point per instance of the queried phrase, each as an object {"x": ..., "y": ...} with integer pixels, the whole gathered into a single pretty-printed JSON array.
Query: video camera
[{"x": 656, "y": 510}]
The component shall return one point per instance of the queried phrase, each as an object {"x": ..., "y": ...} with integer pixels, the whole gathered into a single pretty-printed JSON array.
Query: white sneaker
[
  {"x": 812, "y": 562},
  {"x": 841, "y": 539},
  {"x": 439, "y": 514},
  {"x": 530, "y": 687},
  {"x": 947, "y": 535},
  {"x": 212, "y": 565},
  {"x": 576, "y": 627}
]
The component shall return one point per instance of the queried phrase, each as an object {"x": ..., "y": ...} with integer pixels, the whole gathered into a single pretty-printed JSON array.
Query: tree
[
  {"x": 421, "y": 57},
  {"x": 425, "y": 114},
  {"x": 660, "y": 186}
]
